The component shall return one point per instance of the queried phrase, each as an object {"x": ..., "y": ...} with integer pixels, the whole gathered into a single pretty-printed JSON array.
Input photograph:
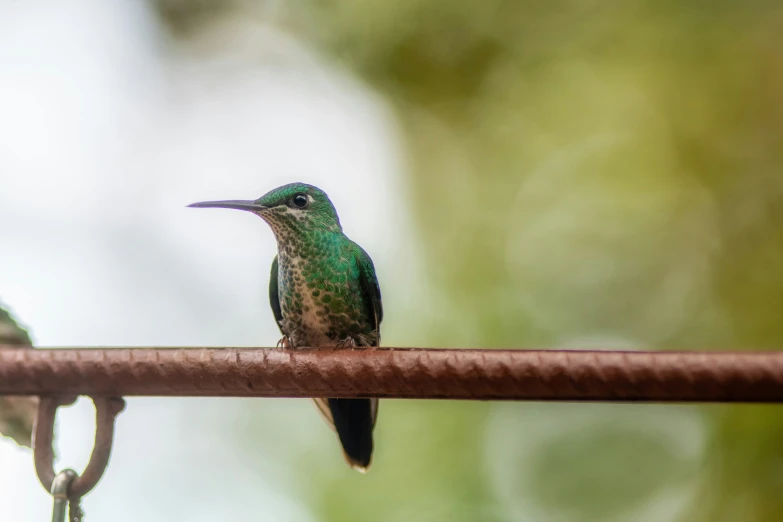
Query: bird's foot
[
  {"x": 284, "y": 343},
  {"x": 348, "y": 342}
]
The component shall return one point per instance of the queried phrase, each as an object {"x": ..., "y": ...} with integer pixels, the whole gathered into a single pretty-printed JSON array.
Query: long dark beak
[{"x": 238, "y": 204}]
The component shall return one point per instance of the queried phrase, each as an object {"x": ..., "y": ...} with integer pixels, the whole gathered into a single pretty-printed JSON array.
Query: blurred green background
[
  {"x": 579, "y": 174},
  {"x": 582, "y": 174}
]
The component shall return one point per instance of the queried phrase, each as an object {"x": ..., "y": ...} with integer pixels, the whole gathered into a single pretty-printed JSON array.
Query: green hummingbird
[{"x": 324, "y": 293}]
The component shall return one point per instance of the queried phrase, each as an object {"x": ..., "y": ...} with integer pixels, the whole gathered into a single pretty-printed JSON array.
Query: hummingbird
[{"x": 324, "y": 293}]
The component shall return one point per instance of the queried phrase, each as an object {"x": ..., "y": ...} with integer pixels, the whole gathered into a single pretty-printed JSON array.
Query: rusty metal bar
[{"x": 395, "y": 372}]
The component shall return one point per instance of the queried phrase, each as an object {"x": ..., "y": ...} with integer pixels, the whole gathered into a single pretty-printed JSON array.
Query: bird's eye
[{"x": 300, "y": 201}]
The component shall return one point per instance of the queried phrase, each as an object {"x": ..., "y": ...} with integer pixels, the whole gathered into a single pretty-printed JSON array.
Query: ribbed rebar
[{"x": 397, "y": 372}]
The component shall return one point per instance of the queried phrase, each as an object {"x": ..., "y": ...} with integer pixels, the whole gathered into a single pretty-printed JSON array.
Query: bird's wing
[
  {"x": 274, "y": 296},
  {"x": 371, "y": 292}
]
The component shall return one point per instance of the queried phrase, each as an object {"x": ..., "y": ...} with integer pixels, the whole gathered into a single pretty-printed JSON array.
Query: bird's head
[{"x": 292, "y": 208}]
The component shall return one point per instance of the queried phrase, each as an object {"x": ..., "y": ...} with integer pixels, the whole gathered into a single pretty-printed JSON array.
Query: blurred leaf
[{"x": 17, "y": 414}]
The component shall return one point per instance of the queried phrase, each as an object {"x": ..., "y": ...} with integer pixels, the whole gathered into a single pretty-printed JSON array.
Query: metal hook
[
  {"x": 60, "y": 486},
  {"x": 106, "y": 410}
]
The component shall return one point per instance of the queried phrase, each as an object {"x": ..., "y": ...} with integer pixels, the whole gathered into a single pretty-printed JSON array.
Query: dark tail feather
[{"x": 353, "y": 420}]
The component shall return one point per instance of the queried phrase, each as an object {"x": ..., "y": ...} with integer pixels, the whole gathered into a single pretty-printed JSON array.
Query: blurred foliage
[
  {"x": 11, "y": 334},
  {"x": 583, "y": 173},
  {"x": 187, "y": 17},
  {"x": 17, "y": 414}
]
